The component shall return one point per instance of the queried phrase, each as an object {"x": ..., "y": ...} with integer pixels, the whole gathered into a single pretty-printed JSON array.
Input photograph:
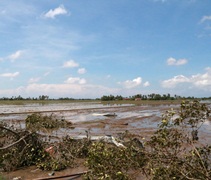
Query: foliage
[
  {"x": 171, "y": 153},
  {"x": 24, "y": 151},
  {"x": 37, "y": 121},
  {"x": 172, "y": 150},
  {"x": 26, "y": 147},
  {"x": 111, "y": 162},
  {"x": 23, "y": 148},
  {"x": 65, "y": 153}
]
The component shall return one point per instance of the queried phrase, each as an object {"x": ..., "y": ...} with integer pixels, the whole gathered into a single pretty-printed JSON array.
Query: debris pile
[{"x": 164, "y": 156}]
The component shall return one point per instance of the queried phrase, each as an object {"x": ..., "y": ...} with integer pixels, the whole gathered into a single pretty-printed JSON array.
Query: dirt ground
[{"x": 141, "y": 121}]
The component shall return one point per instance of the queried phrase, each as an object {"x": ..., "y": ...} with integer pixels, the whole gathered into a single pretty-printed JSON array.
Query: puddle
[
  {"x": 90, "y": 115},
  {"x": 206, "y": 127},
  {"x": 148, "y": 122},
  {"x": 37, "y": 107}
]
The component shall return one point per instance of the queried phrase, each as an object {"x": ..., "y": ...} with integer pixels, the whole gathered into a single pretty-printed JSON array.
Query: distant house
[
  {"x": 126, "y": 98},
  {"x": 137, "y": 99}
]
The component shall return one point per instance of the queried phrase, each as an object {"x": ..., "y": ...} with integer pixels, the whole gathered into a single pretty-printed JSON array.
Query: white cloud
[
  {"x": 202, "y": 81},
  {"x": 10, "y": 75},
  {"x": 132, "y": 83},
  {"x": 70, "y": 64},
  {"x": 205, "y": 18},
  {"x": 81, "y": 71},
  {"x": 171, "y": 83},
  {"x": 75, "y": 80},
  {"x": 55, "y": 12},
  {"x": 15, "y": 55},
  {"x": 199, "y": 81},
  {"x": 146, "y": 84},
  {"x": 173, "y": 62},
  {"x": 60, "y": 90},
  {"x": 34, "y": 80}
]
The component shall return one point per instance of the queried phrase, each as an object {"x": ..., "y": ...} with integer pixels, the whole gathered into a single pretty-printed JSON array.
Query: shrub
[
  {"x": 37, "y": 121},
  {"x": 25, "y": 151},
  {"x": 111, "y": 162},
  {"x": 172, "y": 149}
]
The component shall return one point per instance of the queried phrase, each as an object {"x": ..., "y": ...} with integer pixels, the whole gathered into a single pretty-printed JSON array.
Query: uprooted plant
[
  {"x": 173, "y": 151},
  {"x": 38, "y": 121},
  {"x": 25, "y": 147},
  {"x": 65, "y": 153},
  {"x": 107, "y": 161}
]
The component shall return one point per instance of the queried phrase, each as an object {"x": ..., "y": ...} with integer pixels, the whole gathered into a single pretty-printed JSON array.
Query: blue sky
[{"x": 87, "y": 49}]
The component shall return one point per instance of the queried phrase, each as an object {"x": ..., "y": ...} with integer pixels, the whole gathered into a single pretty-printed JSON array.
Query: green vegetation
[
  {"x": 150, "y": 97},
  {"x": 111, "y": 162},
  {"x": 165, "y": 155},
  {"x": 37, "y": 121},
  {"x": 172, "y": 152},
  {"x": 46, "y": 99}
]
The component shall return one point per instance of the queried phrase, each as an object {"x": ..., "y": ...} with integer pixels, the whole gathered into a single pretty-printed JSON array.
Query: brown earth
[{"x": 140, "y": 121}]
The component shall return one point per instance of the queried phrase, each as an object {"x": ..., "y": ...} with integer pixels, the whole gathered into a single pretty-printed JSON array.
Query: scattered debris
[
  {"x": 17, "y": 178},
  {"x": 51, "y": 173},
  {"x": 50, "y": 150},
  {"x": 63, "y": 176},
  {"x": 105, "y": 114},
  {"x": 111, "y": 139},
  {"x": 110, "y": 114},
  {"x": 194, "y": 134}
]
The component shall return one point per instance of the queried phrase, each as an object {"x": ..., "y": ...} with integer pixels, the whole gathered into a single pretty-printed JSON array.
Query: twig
[
  {"x": 202, "y": 162},
  {"x": 16, "y": 142},
  {"x": 2, "y": 127},
  {"x": 63, "y": 176}
]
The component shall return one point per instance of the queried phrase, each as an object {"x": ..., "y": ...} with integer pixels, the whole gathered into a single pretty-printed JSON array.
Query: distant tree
[
  {"x": 157, "y": 97},
  {"x": 164, "y": 97},
  {"x": 119, "y": 97},
  {"x": 107, "y": 98},
  {"x": 43, "y": 97},
  {"x": 136, "y": 96},
  {"x": 19, "y": 98}
]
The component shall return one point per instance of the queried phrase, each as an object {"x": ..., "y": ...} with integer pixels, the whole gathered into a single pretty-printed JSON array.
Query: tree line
[
  {"x": 152, "y": 96},
  {"x": 41, "y": 97}
]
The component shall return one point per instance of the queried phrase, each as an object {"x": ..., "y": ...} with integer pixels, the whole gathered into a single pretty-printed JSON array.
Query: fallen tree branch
[
  {"x": 16, "y": 142},
  {"x": 63, "y": 176},
  {"x": 2, "y": 127}
]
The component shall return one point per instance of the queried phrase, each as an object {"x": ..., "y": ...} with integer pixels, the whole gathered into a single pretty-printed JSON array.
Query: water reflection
[{"x": 133, "y": 117}]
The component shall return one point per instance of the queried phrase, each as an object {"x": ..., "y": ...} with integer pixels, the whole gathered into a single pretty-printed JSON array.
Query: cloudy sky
[{"x": 87, "y": 49}]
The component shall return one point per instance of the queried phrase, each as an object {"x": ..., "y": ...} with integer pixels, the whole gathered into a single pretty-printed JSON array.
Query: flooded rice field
[{"x": 99, "y": 119}]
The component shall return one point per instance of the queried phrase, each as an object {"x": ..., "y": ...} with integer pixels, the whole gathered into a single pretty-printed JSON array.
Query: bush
[
  {"x": 27, "y": 150},
  {"x": 111, "y": 162},
  {"x": 172, "y": 150},
  {"x": 37, "y": 121}
]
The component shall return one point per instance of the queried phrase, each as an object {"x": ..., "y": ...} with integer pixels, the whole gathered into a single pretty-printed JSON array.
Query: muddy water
[{"x": 140, "y": 120}]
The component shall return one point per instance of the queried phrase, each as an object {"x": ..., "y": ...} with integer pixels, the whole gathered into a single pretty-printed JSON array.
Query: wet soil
[{"x": 141, "y": 121}]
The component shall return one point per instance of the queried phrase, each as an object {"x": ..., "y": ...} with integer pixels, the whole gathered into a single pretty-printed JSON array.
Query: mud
[{"x": 142, "y": 121}]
